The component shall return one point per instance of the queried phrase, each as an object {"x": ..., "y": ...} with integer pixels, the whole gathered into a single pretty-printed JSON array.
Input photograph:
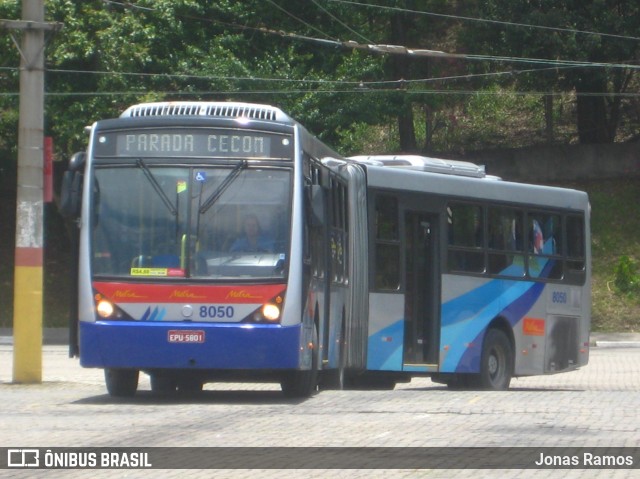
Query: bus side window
[
  {"x": 387, "y": 248},
  {"x": 576, "y": 270},
  {"x": 466, "y": 238},
  {"x": 505, "y": 241},
  {"x": 575, "y": 243},
  {"x": 545, "y": 246}
]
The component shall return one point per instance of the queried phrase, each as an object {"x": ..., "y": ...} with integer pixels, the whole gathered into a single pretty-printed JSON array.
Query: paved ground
[
  {"x": 596, "y": 406},
  {"x": 60, "y": 336}
]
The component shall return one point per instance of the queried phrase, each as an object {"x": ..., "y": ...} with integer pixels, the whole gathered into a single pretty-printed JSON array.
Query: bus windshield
[{"x": 208, "y": 222}]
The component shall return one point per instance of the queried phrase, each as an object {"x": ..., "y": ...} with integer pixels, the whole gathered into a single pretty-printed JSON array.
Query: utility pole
[{"x": 28, "y": 272}]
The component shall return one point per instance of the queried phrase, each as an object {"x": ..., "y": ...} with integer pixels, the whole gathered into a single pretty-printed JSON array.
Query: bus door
[{"x": 422, "y": 318}]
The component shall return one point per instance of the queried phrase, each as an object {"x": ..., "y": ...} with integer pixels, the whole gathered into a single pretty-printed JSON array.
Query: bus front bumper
[{"x": 194, "y": 346}]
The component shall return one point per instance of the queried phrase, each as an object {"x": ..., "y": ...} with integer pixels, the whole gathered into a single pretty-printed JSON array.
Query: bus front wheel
[
  {"x": 337, "y": 378},
  {"x": 302, "y": 384},
  {"x": 496, "y": 368},
  {"x": 121, "y": 382}
]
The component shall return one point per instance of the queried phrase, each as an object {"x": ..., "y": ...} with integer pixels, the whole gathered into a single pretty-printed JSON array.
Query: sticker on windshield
[
  {"x": 201, "y": 176},
  {"x": 170, "y": 272}
]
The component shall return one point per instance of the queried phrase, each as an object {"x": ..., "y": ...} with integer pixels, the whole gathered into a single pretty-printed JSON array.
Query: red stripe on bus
[{"x": 163, "y": 293}]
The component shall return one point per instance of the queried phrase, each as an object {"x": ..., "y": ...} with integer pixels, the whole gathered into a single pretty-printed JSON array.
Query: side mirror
[
  {"x": 71, "y": 193},
  {"x": 77, "y": 161}
]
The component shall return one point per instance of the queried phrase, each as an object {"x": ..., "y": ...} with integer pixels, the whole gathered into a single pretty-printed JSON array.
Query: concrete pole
[{"x": 28, "y": 278}]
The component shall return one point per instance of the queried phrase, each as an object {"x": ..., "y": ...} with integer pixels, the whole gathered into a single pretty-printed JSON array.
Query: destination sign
[
  {"x": 190, "y": 144},
  {"x": 193, "y": 143}
]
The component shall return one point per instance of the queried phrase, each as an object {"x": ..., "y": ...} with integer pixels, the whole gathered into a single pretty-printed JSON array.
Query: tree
[
  {"x": 599, "y": 90},
  {"x": 9, "y": 82}
]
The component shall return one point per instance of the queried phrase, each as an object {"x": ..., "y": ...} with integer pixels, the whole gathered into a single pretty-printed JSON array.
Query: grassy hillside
[
  {"x": 615, "y": 228},
  {"x": 616, "y": 234}
]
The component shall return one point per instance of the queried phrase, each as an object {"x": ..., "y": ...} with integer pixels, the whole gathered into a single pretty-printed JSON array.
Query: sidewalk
[
  {"x": 60, "y": 336},
  {"x": 50, "y": 336},
  {"x": 618, "y": 340}
]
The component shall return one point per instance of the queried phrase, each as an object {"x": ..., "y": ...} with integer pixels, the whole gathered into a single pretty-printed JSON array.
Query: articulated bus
[{"x": 221, "y": 241}]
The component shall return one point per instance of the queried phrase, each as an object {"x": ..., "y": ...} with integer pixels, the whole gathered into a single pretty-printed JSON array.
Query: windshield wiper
[
  {"x": 223, "y": 186},
  {"x": 156, "y": 186}
]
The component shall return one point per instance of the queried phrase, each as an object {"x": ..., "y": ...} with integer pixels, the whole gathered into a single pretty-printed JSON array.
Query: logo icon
[{"x": 23, "y": 458}]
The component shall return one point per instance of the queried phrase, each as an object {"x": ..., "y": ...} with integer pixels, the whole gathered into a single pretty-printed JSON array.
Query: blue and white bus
[
  {"x": 473, "y": 280},
  {"x": 222, "y": 241}
]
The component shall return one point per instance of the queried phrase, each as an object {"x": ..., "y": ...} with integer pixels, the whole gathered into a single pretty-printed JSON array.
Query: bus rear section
[
  {"x": 474, "y": 280},
  {"x": 190, "y": 236}
]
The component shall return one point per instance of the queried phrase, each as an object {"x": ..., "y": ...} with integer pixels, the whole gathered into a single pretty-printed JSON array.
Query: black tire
[
  {"x": 336, "y": 379},
  {"x": 121, "y": 382},
  {"x": 302, "y": 384},
  {"x": 496, "y": 367}
]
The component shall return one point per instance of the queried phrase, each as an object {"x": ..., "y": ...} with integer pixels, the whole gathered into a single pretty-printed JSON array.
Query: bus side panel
[
  {"x": 466, "y": 316},
  {"x": 545, "y": 319},
  {"x": 386, "y": 332},
  {"x": 223, "y": 346}
]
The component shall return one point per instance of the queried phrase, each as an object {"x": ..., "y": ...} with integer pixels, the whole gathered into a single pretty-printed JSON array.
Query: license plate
[{"x": 182, "y": 336}]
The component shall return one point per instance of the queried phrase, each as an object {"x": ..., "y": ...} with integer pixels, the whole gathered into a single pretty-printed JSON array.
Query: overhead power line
[
  {"x": 364, "y": 91},
  {"x": 359, "y": 83},
  {"x": 398, "y": 49},
  {"x": 402, "y": 50},
  {"x": 330, "y": 86},
  {"x": 484, "y": 20},
  {"x": 341, "y": 22},
  {"x": 369, "y": 83},
  {"x": 298, "y": 19},
  {"x": 368, "y": 47}
]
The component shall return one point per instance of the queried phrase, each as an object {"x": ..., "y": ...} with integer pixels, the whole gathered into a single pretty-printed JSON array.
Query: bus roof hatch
[{"x": 424, "y": 163}]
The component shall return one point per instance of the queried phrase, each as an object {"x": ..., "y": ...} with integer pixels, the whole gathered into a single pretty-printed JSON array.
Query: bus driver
[{"x": 253, "y": 238}]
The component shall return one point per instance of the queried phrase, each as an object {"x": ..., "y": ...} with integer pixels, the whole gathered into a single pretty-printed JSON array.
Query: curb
[
  {"x": 615, "y": 340},
  {"x": 616, "y": 344},
  {"x": 50, "y": 336}
]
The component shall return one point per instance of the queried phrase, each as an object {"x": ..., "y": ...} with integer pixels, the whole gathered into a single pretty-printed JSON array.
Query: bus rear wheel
[
  {"x": 496, "y": 368},
  {"x": 121, "y": 382}
]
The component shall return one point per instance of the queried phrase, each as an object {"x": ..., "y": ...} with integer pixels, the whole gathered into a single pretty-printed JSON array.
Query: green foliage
[
  {"x": 112, "y": 54},
  {"x": 627, "y": 279},
  {"x": 615, "y": 205},
  {"x": 489, "y": 117},
  {"x": 568, "y": 21},
  {"x": 9, "y": 83},
  {"x": 361, "y": 137}
]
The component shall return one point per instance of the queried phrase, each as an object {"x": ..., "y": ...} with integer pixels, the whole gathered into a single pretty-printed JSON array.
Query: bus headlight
[
  {"x": 268, "y": 312},
  {"x": 105, "y": 308},
  {"x": 271, "y": 312}
]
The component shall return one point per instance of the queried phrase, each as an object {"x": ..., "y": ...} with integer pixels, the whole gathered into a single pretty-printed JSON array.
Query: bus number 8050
[{"x": 219, "y": 312}]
